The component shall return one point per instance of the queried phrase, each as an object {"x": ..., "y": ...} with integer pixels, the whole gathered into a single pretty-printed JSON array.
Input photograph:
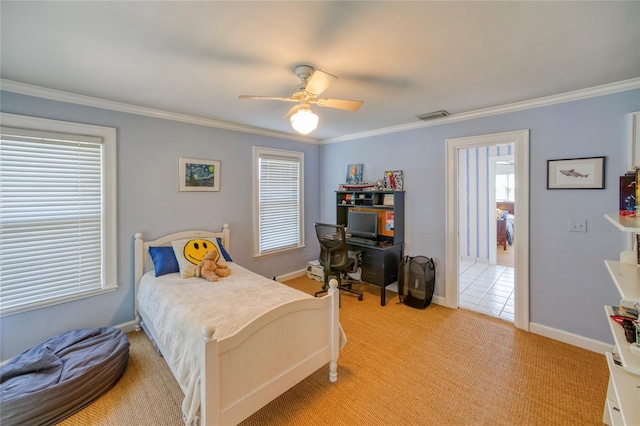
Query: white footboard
[{"x": 245, "y": 371}]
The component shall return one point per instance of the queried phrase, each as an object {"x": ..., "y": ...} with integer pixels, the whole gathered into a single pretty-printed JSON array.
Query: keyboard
[{"x": 366, "y": 241}]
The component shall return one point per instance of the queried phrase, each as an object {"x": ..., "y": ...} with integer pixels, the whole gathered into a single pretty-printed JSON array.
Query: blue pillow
[
  {"x": 223, "y": 250},
  {"x": 164, "y": 260}
]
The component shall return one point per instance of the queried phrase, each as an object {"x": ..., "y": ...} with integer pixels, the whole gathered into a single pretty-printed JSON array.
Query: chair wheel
[{"x": 360, "y": 298}]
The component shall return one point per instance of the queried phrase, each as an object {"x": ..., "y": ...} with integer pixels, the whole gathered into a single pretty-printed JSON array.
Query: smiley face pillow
[{"x": 190, "y": 252}]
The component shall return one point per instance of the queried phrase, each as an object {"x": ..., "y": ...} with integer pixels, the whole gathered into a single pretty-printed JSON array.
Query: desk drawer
[
  {"x": 373, "y": 258},
  {"x": 373, "y": 274}
]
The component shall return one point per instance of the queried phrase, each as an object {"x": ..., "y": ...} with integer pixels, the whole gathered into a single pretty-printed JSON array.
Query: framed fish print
[
  {"x": 576, "y": 173},
  {"x": 198, "y": 175}
]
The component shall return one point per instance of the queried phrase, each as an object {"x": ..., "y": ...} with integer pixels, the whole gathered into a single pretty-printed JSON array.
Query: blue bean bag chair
[{"x": 60, "y": 376}]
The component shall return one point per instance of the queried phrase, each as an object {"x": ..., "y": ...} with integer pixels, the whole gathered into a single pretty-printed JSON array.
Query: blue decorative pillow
[
  {"x": 226, "y": 255},
  {"x": 164, "y": 260}
]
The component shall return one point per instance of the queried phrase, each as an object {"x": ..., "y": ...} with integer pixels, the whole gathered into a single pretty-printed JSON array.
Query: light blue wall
[
  {"x": 148, "y": 202},
  {"x": 569, "y": 282}
]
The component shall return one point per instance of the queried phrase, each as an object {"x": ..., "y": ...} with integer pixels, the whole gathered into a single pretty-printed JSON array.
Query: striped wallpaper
[{"x": 474, "y": 211}]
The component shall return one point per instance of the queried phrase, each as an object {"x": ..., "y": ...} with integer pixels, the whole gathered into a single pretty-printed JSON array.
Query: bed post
[
  {"x": 137, "y": 275},
  {"x": 225, "y": 232},
  {"x": 209, "y": 386},
  {"x": 335, "y": 332}
]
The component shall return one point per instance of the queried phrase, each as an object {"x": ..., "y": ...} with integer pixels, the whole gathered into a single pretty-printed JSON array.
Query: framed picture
[
  {"x": 354, "y": 173},
  {"x": 576, "y": 173},
  {"x": 393, "y": 180},
  {"x": 195, "y": 174}
]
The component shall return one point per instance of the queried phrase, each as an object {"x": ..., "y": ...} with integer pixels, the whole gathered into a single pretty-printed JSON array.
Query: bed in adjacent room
[
  {"x": 505, "y": 223},
  {"x": 234, "y": 344}
]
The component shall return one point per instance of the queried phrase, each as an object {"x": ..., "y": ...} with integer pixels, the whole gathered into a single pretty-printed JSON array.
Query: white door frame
[{"x": 520, "y": 139}]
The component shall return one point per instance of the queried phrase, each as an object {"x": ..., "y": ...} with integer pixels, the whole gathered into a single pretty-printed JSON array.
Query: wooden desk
[{"x": 379, "y": 264}]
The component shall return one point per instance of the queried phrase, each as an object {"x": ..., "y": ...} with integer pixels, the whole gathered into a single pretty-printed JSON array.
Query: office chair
[{"x": 334, "y": 257}]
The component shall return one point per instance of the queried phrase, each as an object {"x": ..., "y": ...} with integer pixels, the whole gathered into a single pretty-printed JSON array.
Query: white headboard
[{"x": 142, "y": 261}]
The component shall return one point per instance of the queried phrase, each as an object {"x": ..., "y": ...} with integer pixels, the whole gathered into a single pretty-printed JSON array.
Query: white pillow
[{"x": 189, "y": 252}]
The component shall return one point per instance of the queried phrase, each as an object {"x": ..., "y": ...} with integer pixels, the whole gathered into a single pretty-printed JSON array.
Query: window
[
  {"x": 57, "y": 210},
  {"x": 505, "y": 187},
  {"x": 278, "y": 200}
]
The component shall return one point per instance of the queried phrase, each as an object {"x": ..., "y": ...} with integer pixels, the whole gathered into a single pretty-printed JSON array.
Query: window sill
[{"x": 57, "y": 301}]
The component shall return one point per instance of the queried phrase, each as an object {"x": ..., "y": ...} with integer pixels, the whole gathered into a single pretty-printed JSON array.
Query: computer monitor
[{"x": 363, "y": 224}]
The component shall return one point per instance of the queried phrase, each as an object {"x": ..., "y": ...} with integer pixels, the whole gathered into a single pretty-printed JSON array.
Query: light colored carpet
[{"x": 401, "y": 366}]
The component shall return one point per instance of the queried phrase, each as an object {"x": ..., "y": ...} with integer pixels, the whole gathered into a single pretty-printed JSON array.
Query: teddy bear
[{"x": 211, "y": 270}]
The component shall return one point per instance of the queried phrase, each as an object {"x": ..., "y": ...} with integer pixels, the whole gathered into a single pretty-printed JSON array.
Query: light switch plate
[{"x": 577, "y": 225}]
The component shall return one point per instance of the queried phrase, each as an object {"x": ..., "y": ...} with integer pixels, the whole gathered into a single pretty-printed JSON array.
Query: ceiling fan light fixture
[{"x": 304, "y": 121}]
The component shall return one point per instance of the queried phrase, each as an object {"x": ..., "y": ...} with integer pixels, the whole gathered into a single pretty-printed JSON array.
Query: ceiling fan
[{"x": 312, "y": 83}]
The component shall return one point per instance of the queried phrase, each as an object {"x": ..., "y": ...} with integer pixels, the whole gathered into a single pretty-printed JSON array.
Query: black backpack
[{"x": 416, "y": 281}]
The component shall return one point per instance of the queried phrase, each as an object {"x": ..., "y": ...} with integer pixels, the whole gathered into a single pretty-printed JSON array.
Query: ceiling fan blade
[
  {"x": 293, "y": 110},
  {"x": 319, "y": 82},
  {"x": 267, "y": 98},
  {"x": 340, "y": 104}
]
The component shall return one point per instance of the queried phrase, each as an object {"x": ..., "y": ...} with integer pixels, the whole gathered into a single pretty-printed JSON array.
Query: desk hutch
[{"x": 380, "y": 262}]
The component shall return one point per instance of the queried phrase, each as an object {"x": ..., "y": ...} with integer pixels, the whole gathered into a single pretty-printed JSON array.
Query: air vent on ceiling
[{"x": 432, "y": 115}]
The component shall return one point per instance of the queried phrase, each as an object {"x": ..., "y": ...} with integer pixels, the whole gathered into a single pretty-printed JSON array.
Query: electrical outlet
[{"x": 577, "y": 225}]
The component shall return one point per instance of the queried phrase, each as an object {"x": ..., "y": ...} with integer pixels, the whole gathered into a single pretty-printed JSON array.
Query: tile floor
[{"x": 487, "y": 289}]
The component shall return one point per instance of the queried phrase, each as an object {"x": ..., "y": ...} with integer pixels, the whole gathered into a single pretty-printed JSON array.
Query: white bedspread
[{"x": 178, "y": 308}]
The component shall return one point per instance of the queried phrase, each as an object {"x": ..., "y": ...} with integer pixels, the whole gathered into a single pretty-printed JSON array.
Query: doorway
[
  {"x": 484, "y": 237},
  {"x": 486, "y": 188}
]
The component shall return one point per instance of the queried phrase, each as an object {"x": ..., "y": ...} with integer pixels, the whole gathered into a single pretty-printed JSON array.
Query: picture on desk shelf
[
  {"x": 389, "y": 226},
  {"x": 393, "y": 180},
  {"x": 354, "y": 173}
]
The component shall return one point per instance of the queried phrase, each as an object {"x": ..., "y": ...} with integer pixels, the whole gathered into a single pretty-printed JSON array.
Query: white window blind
[
  {"x": 51, "y": 217},
  {"x": 279, "y": 200}
]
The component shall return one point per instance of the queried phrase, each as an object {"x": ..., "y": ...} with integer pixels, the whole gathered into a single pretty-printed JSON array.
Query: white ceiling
[{"x": 402, "y": 59}]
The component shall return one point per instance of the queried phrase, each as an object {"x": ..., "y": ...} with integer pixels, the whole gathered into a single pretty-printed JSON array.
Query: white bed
[{"x": 248, "y": 353}]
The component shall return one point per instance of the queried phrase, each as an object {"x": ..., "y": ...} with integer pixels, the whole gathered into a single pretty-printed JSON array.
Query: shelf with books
[{"x": 629, "y": 356}]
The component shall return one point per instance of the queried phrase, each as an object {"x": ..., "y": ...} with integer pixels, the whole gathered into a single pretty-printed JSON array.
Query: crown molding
[
  {"x": 606, "y": 89},
  {"x": 58, "y": 95}
]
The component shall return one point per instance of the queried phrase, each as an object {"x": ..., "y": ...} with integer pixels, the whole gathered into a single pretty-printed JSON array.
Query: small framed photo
[
  {"x": 195, "y": 174},
  {"x": 393, "y": 180},
  {"x": 354, "y": 174},
  {"x": 576, "y": 173}
]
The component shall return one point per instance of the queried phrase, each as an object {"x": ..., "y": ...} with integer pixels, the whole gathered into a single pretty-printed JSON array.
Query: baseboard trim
[
  {"x": 292, "y": 275},
  {"x": 570, "y": 338},
  {"x": 127, "y": 326}
]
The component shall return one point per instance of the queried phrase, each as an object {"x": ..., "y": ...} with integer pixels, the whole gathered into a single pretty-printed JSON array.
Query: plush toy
[{"x": 209, "y": 269}]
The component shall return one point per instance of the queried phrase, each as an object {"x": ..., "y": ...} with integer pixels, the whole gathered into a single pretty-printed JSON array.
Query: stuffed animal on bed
[{"x": 209, "y": 269}]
